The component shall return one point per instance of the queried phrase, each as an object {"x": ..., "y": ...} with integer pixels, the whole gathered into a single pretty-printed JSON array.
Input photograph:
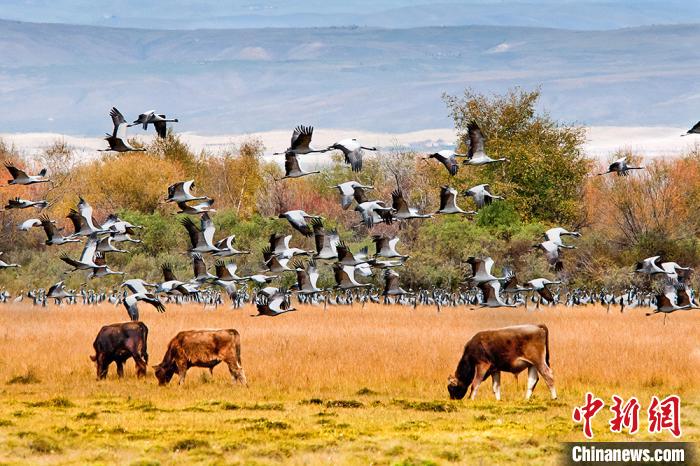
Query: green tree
[{"x": 545, "y": 175}]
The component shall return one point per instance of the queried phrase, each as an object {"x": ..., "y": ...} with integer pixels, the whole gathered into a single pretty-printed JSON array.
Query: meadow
[{"x": 349, "y": 385}]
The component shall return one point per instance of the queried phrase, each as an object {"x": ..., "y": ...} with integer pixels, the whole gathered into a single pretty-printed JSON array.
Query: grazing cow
[
  {"x": 508, "y": 349},
  {"x": 201, "y": 348},
  {"x": 119, "y": 342}
]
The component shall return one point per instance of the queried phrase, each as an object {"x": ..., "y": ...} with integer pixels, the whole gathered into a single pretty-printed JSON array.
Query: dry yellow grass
[{"x": 348, "y": 385}]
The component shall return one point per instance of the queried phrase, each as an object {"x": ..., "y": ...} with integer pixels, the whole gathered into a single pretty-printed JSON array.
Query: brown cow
[
  {"x": 201, "y": 348},
  {"x": 119, "y": 342},
  {"x": 508, "y": 349}
]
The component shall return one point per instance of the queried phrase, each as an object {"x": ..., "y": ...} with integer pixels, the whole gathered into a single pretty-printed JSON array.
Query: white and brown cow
[{"x": 508, "y": 349}]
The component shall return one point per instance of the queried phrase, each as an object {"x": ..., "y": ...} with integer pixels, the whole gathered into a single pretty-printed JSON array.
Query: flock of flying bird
[{"x": 279, "y": 257}]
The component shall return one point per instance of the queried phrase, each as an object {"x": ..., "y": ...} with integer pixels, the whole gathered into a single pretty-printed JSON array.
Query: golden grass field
[{"x": 344, "y": 386}]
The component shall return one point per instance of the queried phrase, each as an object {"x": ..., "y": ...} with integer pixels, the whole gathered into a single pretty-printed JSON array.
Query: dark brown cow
[
  {"x": 201, "y": 348},
  {"x": 508, "y": 349},
  {"x": 119, "y": 342}
]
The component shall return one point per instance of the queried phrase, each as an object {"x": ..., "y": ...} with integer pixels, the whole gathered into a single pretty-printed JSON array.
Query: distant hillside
[
  {"x": 228, "y": 14},
  {"x": 61, "y": 78}
]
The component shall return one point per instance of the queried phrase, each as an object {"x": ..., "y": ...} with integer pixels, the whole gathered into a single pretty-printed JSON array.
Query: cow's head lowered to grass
[
  {"x": 164, "y": 373},
  {"x": 458, "y": 383}
]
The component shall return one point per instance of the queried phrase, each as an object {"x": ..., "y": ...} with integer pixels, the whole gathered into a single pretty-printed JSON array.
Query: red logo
[
  {"x": 665, "y": 415},
  {"x": 662, "y": 414}
]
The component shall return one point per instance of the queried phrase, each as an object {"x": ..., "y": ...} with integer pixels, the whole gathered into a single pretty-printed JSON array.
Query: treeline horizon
[{"x": 548, "y": 181}]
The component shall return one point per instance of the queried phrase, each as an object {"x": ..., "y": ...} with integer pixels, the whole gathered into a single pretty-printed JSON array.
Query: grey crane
[
  {"x": 448, "y": 202},
  {"x": 481, "y": 270},
  {"x": 226, "y": 247},
  {"x": 201, "y": 275},
  {"x": 346, "y": 257},
  {"x": 351, "y": 190},
  {"x": 18, "y": 203},
  {"x": 181, "y": 192},
  {"x": 279, "y": 246},
  {"x": 158, "y": 120},
  {"x": 386, "y": 247},
  {"x": 402, "y": 211},
  {"x": 101, "y": 268},
  {"x": 87, "y": 258},
  {"x": 20, "y": 177},
  {"x": 273, "y": 305},
  {"x": 482, "y": 195},
  {"x": 620, "y": 167},
  {"x": 307, "y": 277},
  {"x": 5, "y": 265},
  {"x": 117, "y": 140},
  {"x": 554, "y": 235},
  {"x": 131, "y": 304},
  {"x": 391, "y": 284},
  {"x": 374, "y": 212},
  {"x": 476, "y": 154},
  {"x": 345, "y": 277},
  {"x": 492, "y": 294},
  {"x": 552, "y": 253},
  {"x": 59, "y": 293},
  {"x": 448, "y": 159},
  {"x": 301, "y": 140},
  {"x": 292, "y": 169},
  {"x": 650, "y": 266},
  {"x": 352, "y": 151},
  {"x": 202, "y": 238},
  {"x": 29, "y": 224},
  {"x": 666, "y": 302},
  {"x": 53, "y": 233},
  {"x": 196, "y": 209},
  {"x": 326, "y": 241},
  {"x": 297, "y": 219}
]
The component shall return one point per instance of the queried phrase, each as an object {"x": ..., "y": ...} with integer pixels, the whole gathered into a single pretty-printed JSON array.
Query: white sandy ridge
[{"x": 602, "y": 141}]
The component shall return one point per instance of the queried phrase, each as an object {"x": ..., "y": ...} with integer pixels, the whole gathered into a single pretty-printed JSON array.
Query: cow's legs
[
  {"x": 120, "y": 368},
  {"x": 548, "y": 377},
  {"x": 237, "y": 374},
  {"x": 496, "y": 376},
  {"x": 181, "y": 373},
  {"x": 479, "y": 376},
  {"x": 141, "y": 365},
  {"x": 532, "y": 379}
]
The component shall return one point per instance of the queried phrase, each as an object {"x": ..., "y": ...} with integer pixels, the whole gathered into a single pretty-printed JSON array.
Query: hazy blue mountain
[
  {"x": 226, "y": 14},
  {"x": 65, "y": 78}
]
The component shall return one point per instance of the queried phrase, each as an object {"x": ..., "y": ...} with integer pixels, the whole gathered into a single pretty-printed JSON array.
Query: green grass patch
[
  {"x": 27, "y": 378},
  {"x": 343, "y": 404},
  {"x": 145, "y": 463},
  {"x": 311, "y": 401},
  {"x": 44, "y": 446},
  {"x": 434, "y": 406},
  {"x": 366, "y": 392},
  {"x": 263, "y": 424},
  {"x": 265, "y": 407},
  {"x": 58, "y": 402},
  {"x": 189, "y": 444}
]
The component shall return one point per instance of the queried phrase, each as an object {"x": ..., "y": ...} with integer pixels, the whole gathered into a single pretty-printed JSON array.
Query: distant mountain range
[
  {"x": 227, "y": 14},
  {"x": 64, "y": 78}
]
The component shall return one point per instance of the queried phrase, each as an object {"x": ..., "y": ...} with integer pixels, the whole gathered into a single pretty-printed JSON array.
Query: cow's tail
[
  {"x": 144, "y": 351},
  {"x": 546, "y": 343},
  {"x": 237, "y": 342}
]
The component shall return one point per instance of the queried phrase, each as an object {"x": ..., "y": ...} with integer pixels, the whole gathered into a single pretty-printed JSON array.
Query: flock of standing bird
[{"x": 483, "y": 288}]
